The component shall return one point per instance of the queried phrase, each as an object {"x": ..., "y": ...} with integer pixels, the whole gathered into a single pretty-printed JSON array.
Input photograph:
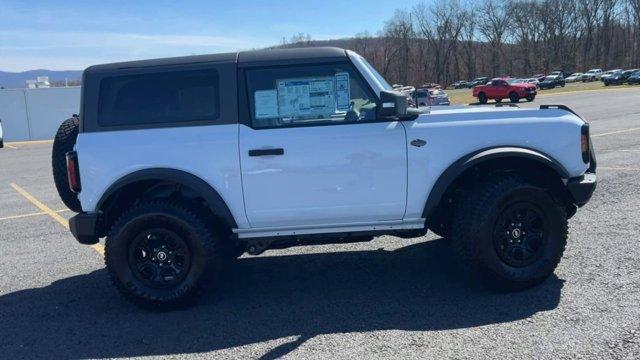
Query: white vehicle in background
[
  {"x": 592, "y": 75},
  {"x": 533, "y": 81},
  {"x": 430, "y": 97},
  {"x": 574, "y": 77},
  {"x": 609, "y": 73},
  {"x": 187, "y": 163},
  {"x": 1, "y": 136}
]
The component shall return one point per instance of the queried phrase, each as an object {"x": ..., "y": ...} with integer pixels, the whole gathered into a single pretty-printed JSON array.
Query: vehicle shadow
[{"x": 415, "y": 288}]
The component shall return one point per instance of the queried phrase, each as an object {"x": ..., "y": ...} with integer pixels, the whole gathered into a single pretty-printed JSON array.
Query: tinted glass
[
  {"x": 308, "y": 95},
  {"x": 157, "y": 98}
]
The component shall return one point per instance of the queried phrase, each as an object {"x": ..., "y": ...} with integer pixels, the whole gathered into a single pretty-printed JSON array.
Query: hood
[{"x": 461, "y": 113}]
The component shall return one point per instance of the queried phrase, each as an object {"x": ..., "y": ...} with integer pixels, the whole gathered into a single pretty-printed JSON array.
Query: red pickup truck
[{"x": 499, "y": 89}]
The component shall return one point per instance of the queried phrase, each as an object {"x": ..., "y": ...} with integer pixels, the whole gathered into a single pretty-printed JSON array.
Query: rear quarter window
[{"x": 159, "y": 98}]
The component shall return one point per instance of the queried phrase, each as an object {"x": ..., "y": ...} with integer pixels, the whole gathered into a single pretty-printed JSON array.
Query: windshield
[{"x": 377, "y": 75}]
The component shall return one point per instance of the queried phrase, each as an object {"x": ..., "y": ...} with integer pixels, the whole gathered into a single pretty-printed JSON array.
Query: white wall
[{"x": 35, "y": 114}]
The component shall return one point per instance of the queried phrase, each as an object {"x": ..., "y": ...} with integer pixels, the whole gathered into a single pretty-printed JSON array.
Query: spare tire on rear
[{"x": 64, "y": 142}]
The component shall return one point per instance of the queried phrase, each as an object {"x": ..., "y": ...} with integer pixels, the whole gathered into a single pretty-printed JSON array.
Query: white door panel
[{"x": 326, "y": 174}]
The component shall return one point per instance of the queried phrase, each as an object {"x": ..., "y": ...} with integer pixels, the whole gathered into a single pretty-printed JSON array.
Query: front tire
[
  {"x": 482, "y": 98},
  {"x": 509, "y": 233},
  {"x": 159, "y": 254},
  {"x": 513, "y": 97},
  {"x": 530, "y": 98}
]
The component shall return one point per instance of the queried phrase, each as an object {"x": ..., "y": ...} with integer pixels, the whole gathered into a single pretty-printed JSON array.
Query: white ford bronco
[{"x": 184, "y": 164}]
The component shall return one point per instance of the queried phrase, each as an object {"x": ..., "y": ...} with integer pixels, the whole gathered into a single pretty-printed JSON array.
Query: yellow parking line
[
  {"x": 10, "y": 146},
  {"x": 618, "y": 168},
  {"x": 54, "y": 215},
  {"x": 28, "y": 215},
  {"x": 616, "y": 132},
  {"x": 31, "y": 142}
]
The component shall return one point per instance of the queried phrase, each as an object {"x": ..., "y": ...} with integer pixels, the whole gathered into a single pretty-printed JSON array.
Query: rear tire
[
  {"x": 482, "y": 98},
  {"x": 64, "y": 142},
  {"x": 509, "y": 233},
  {"x": 513, "y": 97},
  {"x": 160, "y": 254}
]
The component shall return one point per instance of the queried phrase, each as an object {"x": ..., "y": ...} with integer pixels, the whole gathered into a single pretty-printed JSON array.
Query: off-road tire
[
  {"x": 442, "y": 229},
  {"x": 206, "y": 249},
  {"x": 64, "y": 142},
  {"x": 474, "y": 227},
  {"x": 513, "y": 97},
  {"x": 482, "y": 98}
]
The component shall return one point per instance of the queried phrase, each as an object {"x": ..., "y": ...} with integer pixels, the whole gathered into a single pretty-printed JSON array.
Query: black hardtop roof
[{"x": 242, "y": 58}]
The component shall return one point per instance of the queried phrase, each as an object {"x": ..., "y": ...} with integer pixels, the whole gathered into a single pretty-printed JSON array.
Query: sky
[{"x": 71, "y": 34}]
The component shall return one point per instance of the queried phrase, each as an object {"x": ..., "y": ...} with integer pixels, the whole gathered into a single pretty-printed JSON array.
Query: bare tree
[
  {"x": 493, "y": 26},
  {"x": 440, "y": 24},
  {"x": 437, "y": 41},
  {"x": 635, "y": 15},
  {"x": 468, "y": 38},
  {"x": 399, "y": 29}
]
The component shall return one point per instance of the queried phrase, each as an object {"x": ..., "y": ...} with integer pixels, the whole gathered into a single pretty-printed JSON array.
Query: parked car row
[
  {"x": 463, "y": 84},
  {"x": 620, "y": 77},
  {"x": 427, "y": 95},
  {"x": 552, "y": 81}
]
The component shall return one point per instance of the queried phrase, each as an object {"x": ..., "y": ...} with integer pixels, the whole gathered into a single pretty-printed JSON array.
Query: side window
[
  {"x": 308, "y": 95},
  {"x": 495, "y": 83},
  {"x": 159, "y": 98}
]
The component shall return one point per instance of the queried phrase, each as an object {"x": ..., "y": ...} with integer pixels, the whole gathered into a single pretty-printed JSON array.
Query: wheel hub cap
[
  {"x": 519, "y": 235},
  {"x": 159, "y": 258}
]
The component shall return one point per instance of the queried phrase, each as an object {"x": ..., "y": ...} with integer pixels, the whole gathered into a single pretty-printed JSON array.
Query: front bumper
[
  {"x": 83, "y": 228},
  {"x": 582, "y": 187}
]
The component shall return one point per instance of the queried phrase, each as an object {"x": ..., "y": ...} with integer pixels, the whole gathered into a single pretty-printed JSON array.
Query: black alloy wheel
[
  {"x": 519, "y": 234},
  {"x": 159, "y": 258}
]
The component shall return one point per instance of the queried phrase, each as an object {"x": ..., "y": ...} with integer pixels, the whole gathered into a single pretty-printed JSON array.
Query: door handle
[
  {"x": 266, "y": 152},
  {"x": 418, "y": 142}
]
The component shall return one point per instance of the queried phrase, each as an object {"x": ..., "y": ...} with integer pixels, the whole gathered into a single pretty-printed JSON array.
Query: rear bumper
[
  {"x": 581, "y": 188},
  {"x": 83, "y": 228}
]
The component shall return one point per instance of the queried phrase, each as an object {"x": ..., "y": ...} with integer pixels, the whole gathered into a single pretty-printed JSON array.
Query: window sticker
[
  {"x": 342, "y": 91},
  {"x": 304, "y": 97},
  {"x": 266, "y": 104}
]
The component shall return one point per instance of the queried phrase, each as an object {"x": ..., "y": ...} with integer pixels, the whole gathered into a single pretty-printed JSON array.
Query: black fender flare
[
  {"x": 216, "y": 204},
  {"x": 459, "y": 166}
]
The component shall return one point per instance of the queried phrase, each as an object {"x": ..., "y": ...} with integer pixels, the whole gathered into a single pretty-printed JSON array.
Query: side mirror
[{"x": 392, "y": 103}]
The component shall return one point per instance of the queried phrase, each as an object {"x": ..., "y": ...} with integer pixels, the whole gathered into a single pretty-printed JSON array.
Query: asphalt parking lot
[{"x": 390, "y": 298}]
